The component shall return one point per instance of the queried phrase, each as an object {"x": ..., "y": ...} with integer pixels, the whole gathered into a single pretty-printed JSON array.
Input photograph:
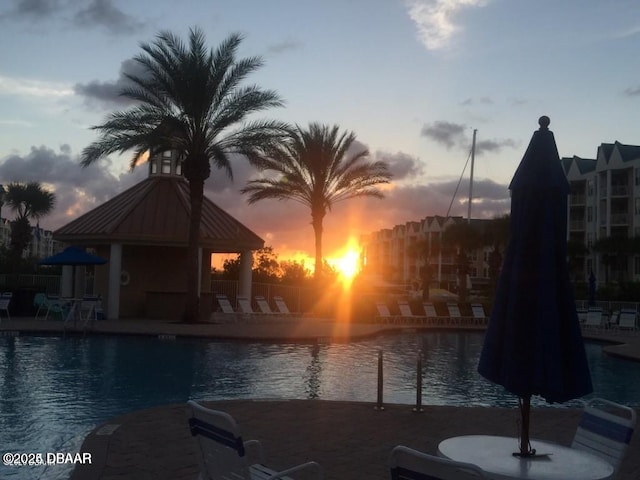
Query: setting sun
[{"x": 347, "y": 264}]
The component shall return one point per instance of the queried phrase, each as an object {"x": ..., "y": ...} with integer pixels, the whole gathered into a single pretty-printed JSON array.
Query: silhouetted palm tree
[
  {"x": 27, "y": 201},
  {"x": 316, "y": 168},
  {"x": 190, "y": 99}
]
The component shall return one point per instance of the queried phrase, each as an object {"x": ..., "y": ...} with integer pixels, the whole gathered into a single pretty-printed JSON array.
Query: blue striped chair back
[{"x": 605, "y": 430}]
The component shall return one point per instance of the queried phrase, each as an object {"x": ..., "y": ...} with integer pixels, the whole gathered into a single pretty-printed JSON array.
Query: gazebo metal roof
[{"x": 156, "y": 212}]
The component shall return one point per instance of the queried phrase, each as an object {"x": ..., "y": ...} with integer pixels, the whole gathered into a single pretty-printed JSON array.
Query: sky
[{"x": 411, "y": 78}]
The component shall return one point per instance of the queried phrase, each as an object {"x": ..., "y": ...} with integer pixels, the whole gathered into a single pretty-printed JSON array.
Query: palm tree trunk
[
  {"x": 192, "y": 304},
  {"x": 317, "y": 230}
]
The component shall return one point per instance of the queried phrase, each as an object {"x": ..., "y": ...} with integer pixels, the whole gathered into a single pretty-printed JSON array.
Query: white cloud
[
  {"x": 434, "y": 19},
  {"x": 33, "y": 88}
]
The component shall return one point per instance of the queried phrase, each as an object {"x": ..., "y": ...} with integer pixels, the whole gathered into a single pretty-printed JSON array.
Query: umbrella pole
[{"x": 525, "y": 413}]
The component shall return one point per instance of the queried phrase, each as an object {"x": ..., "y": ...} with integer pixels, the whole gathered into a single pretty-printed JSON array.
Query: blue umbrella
[
  {"x": 533, "y": 344},
  {"x": 73, "y": 256}
]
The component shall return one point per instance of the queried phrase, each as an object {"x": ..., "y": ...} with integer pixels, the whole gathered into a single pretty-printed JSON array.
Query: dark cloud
[
  {"x": 632, "y": 91},
  {"x": 445, "y": 133},
  {"x": 481, "y": 101},
  {"x": 103, "y": 13},
  {"x": 108, "y": 94},
  {"x": 86, "y": 14},
  {"x": 30, "y": 9},
  {"x": 77, "y": 189},
  {"x": 284, "y": 46},
  {"x": 454, "y": 135},
  {"x": 401, "y": 165}
]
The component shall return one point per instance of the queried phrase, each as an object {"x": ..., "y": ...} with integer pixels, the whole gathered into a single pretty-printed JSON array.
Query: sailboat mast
[{"x": 473, "y": 156}]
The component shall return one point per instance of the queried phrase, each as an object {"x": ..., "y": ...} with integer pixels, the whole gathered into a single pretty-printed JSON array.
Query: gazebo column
[
  {"x": 246, "y": 263},
  {"x": 66, "y": 281},
  {"x": 115, "y": 271}
]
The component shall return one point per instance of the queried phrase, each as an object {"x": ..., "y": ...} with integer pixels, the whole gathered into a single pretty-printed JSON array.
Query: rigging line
[{"x": 459, "y": 182}]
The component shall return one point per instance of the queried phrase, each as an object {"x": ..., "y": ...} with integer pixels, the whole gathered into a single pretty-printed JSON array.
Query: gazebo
[{"x": 143, "y": 233}]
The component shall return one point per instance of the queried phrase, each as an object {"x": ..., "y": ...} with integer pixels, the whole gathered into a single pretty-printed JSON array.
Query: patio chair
[
  {"x": 384, "y": 315},
  {"x": 594, "y": 318},
  {"x": 627, "y": 318},
  {"x": 40, "y": 304},
  {"x": 605, "y": 430},
  {"x": 281, "y": 305},
  {"x": 408, "y": 464},
  {"x": 263, "y": 305},
  {"x": 225, "y": 311},
  {"x": 432, "y": 316},
  {"x": 224, "y": 455},
  {"x": 455, "y": 317},
  {"x": 405, "y": 312},
  {"x": 479, "y": 317}
]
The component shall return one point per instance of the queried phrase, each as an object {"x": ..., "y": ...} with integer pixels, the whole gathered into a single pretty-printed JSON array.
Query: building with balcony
[
  {"x": 605, "y": 204},
  {"x": 398, "y": 255}
]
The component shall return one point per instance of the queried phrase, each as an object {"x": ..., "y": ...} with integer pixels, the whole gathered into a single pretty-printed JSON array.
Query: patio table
[{"x": 494, "y": 454}]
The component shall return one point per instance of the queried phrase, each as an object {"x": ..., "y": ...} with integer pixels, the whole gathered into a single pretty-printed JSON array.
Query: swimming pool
[{"x": 54, "y": 390}]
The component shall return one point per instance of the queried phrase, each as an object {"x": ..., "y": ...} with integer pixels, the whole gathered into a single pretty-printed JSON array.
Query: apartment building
[
  {"x": 42, "y": 244},
  {"x": 605, "y": 203},
  {"x": 399, "y": 254}
]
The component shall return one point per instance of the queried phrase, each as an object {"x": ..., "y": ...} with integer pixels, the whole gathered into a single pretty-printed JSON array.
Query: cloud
[
  {"x": 445, "y": 133},
  {"x": 108, "y": 94},
  {"x": 77, "y": 189},
  {"x": 284, "y": 46},
  {"x": 632, "y": 91},
  {"x": 31, "y": 9},
  {"x": 86, "y": 14},
  {"x": 32, "y": 88},
  {"x": 103, "y": 13},
  {"x": 435, "y": 19},
  {"x": 482, "y": 100},
  {"x": 401, "y": 165},
  {"x": 455, "y": 135}
]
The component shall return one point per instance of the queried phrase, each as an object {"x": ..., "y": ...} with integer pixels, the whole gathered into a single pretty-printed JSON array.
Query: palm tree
[
  {"x": 466, "y": 238},
  {"x": 190, "y": 99},
  {"x": 27, "y": 201},
  {"x": 315, "y": 167}
]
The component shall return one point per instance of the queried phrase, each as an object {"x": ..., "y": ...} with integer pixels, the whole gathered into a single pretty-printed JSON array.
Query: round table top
[{"x": 495, "y": 456}]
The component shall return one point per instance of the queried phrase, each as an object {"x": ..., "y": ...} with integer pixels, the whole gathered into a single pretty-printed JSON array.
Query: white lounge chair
[
  {"x": 455, "y": 317},
  {"x": 244, "y": 304},
  {"x": 628, "y": 317},
  {"x": 263, "y": 305},
  {"x": 605, "y": 430},
  {"x": 479, "y": 317},
  {"x": 408, "y": 464},
  {"x": 432, "y": 316},
  {"x": 384, "y": 315},
  {"x": 281, "y": 305},
  {"x": 594, "y": 318},
  {"x": 223, "y": 454},
  {"x": 406, "y": 314}
]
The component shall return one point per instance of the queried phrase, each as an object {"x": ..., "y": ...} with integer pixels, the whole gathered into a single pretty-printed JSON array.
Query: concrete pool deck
[{"x": 350, "y": 440}]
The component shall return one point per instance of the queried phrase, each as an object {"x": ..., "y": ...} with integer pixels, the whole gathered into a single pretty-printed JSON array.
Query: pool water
[{"x": 55, "y": 390}]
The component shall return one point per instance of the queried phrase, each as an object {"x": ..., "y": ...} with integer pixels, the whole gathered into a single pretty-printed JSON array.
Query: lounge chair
[
  {"x": 224, "y": 313},
  {"x": 224, "y": 455},
  {"x": 406, "y": 314},
  {"x": 244, "y": 304},
  {"x": 479, "y": 317},
  {"x": 432, "y": 316},
  {"x": 263, "y": 305},
  {"x": 408, "y": 464},
  {"x": 628, "y": 318},
  {"x": 281, "y": 305},
  {"x": 384, "y": 315},
  {"x": 455, "y": 316},
  {"x": 605, "y": 430},
  {"x": 594, "y": 318}
]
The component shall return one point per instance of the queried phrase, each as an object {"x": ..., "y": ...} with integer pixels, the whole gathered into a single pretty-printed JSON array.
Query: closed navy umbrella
[{"x": 533, "y": 344}]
